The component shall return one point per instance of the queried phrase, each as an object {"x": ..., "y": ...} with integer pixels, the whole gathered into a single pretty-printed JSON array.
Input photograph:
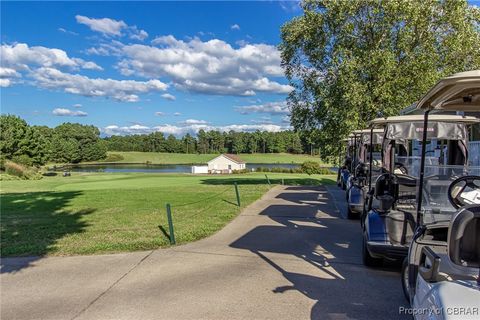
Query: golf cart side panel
[
  {"x": 452, "y": 300},
  {"x": 379, "y": 242},
  {"x": 356, "y": 198}
]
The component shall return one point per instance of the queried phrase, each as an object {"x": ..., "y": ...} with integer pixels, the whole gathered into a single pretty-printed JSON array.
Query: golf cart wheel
[
  {"x": 405, "y": 278},
  {"x": 350, "y": 214},
  {"x": 368, "y": 260}
]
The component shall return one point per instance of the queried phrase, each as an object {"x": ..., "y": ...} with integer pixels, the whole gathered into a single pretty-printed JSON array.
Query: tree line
[
  {"x": 215, "y": 142},
  {"x": 37, "y": 145},
  {"x": 73, "y": 142}
]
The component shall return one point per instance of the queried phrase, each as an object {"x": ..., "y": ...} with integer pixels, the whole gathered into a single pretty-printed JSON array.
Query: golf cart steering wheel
[
  {"x": 464, "y": 191},
  {"x": 400, "y": 166}
]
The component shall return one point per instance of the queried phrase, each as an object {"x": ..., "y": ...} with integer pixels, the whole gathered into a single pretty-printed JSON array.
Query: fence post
[
  {"x": 238, "y": 194},
  {"x": 170, "y": 224},
  {"x": 268, "y": 180}
]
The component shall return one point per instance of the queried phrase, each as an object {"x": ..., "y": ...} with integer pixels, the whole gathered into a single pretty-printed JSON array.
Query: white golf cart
[
  {"x": 391, "y": 219},
  {"x": 440, "y": 276}
]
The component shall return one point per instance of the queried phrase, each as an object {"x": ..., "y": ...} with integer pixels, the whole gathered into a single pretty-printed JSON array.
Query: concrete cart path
[{"x": 290, "y": 255}]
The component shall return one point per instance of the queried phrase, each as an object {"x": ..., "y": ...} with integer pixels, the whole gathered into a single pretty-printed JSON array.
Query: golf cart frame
[
  {"x": 358, "y": 181},
  {"x": 389, "y": 225},
  {"x": 346, "y": 168},
  {"x": 439, "y": 269}
]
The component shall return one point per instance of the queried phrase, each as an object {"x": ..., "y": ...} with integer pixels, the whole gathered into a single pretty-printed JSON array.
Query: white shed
[{"x": 225, "y": 163}]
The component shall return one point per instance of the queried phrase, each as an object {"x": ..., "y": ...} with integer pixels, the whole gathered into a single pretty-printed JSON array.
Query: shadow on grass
[
  {"x": 260, "y": 180},
  {"x": 31, "y": 224}
]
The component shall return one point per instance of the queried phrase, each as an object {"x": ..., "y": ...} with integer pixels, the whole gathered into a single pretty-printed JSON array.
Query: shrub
[
  {"x": 15, "y": 169},
  {"x": 23, "y": 160},
  {"x": 239, "y": 171},
  {"x": 22, "y": 172},
  {"x": 311, "y": 167}
]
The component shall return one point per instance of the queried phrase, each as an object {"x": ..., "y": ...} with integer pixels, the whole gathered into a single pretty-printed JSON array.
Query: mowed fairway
[
  {"x": 181, "y": 158},
  {"x": 102, "y": 213}
]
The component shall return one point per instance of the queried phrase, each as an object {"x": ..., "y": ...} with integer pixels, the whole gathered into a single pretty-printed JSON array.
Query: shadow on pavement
[
  {"x": 311, "y": 231},
  {"x": 31, "y": 223}
]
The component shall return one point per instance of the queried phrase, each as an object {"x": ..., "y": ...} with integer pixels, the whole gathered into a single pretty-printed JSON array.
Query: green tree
[{"x": 348, "y": 61}]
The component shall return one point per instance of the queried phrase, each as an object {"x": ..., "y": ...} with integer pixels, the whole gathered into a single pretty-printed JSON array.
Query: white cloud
[
  {"x": 111, "y": 27},
  {"x": 273, "y": 108},
  {"x": 168, "y": 96},
  {"x": 176, "y": 114},
  {"x": 8, "y": 76},
  {"x": 286, "y": 119},
  {"x": 67, "y": 112},
  {"x": 194, "y": 121},
  {"x": 211, "y": 67},
  {"x": 120, "y": 90},
  {"x": 235, "y": 27},
  {"x": 159, "y": 113},
  {"x": 189, "y": 128},
  {"x": 138, "y": 34},
  {"x": 67, "y": 31},
  {"x": 77, "y": 105},
  {"x": 105, "y": 26},
  {"x": 21, "y": 57},
  {"x": 134, "y": 129}
]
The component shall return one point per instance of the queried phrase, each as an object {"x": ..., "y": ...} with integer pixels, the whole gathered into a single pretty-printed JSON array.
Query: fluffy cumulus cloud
[
  {"x": 273, "y": 108},
  {"x": 63, "y": 112},
  {"x": 235, "y": 27},
  {"x": 8, "y": 76},
  {"x": 210, "y": 67},
  {"x": 120, "y": 90},
  {"x": 21, "y": 57},
  {"x": 110, "y": 27},
  {"x": 191, "y": 128}
]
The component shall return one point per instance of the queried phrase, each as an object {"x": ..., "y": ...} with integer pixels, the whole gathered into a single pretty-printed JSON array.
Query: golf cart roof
[
  {"x": 367, "y": 131},
  {"x": 459, "y": 92},
  {"x": 419, "y": 118}
]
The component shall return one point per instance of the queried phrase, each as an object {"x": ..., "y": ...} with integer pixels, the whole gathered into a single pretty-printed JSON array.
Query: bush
[
  {"x": 23, "y": 160},
  {"x": 239, "y": 171},
  {"x": 311, "y": 167},
  {"x": 15, "y": 169},
  {"x": 113, "y": 157},
  {"x": 22, "y": 172}
]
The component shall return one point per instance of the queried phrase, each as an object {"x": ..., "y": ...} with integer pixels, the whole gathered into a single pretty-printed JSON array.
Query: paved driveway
[{"x": 290, "y": 255}]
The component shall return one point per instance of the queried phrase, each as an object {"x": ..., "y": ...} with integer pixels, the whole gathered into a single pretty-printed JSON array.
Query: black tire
[
  {"x": 350, "y": 214},
  {"x": 368, "y": 260},
  {"x": 405, "y": 278}
]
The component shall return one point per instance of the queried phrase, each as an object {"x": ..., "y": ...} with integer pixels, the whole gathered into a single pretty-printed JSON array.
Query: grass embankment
[
  {"x": 102, "y": 213},
  {"x": 181, "y": 158}
]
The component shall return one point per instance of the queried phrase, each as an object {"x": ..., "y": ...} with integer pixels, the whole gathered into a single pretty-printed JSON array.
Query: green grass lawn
[
  {"x": 102, "y": 213},
  {"x": 180, "y": 158}
]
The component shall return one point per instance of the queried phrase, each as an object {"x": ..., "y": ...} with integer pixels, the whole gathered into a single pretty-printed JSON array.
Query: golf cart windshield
[{"x": 446, "y": 158}]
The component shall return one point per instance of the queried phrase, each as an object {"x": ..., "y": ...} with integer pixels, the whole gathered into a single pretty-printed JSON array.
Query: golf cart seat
[{"x": 464, "y": 237}]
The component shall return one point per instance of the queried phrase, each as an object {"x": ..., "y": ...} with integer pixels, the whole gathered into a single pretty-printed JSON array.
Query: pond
[{"x": 160, "y": 168}]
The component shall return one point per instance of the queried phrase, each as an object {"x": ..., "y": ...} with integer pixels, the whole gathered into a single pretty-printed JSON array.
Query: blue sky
[{"x": 136, "y": 67}]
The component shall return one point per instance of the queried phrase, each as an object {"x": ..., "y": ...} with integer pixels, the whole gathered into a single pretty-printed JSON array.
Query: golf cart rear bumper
[{"x": 387, "y": 250}]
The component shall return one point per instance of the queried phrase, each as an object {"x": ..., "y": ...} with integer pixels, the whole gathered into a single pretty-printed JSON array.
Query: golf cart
[
  {"x": 357, "y": 186},
  {"x": 346, "y": 167},
  {"x": 389, "y": 224},
  {"x": 441, "y": 273}
]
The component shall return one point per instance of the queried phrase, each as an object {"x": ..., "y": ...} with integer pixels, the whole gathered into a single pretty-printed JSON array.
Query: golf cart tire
[
  {"x": 368, "y": 260},
  {"x": 404, "y": 277},
  {"x": 350, "y": 214}
]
